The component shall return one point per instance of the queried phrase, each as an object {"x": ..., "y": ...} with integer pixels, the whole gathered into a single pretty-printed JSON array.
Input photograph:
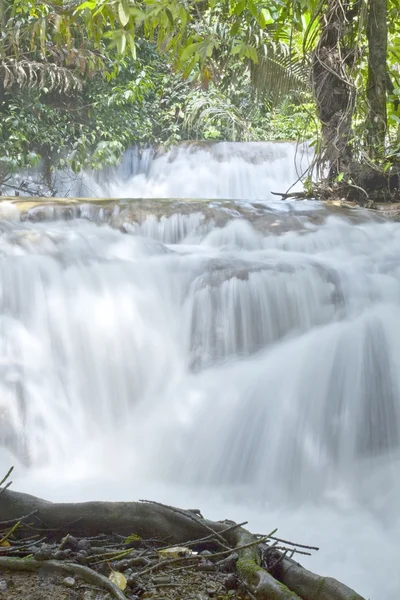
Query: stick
[{"x": 192, "y": 517}]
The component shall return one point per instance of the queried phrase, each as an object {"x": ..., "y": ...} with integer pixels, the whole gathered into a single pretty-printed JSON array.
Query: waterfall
[
  {"x": 240, "y": 350},
  {"x": 234, "y": 170}
]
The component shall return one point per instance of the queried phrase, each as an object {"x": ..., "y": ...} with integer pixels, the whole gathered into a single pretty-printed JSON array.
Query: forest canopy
[{"x": 80, "y": 82}]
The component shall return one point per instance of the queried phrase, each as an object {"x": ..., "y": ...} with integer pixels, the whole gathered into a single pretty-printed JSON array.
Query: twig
[
  {"x": 14, "y": 528},
  {"x": 192, "y": 517},
  {"x": 293, "y": 543},
  {"x": 165, "y": 563},
  {"x": 10, "y": 470},
  {"x": 207, "y": 538},
  {"x": 2, "y": 490},
  {"x": 7, "y": 523}
]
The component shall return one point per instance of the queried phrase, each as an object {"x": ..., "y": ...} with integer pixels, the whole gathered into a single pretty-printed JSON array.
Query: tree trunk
[
  {"x": 332, "y": 87},
  {"x": 377, "y": 36}
]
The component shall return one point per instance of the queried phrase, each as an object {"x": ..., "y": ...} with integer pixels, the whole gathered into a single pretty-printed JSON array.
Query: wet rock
[{"x": 69, "y": 581}]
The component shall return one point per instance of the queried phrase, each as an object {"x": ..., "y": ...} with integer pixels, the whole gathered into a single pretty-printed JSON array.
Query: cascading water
[
  {"x": 195, "y": 170},
  {"x": 242, "y": 356}
]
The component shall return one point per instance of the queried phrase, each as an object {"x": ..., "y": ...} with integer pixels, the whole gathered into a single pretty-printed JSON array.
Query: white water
[
  {"x": 196, "y": 170},
  {"x": 251, "y": 369}
]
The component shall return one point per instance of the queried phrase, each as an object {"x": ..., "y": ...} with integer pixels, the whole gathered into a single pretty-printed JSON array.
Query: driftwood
[{"x": 149, "y": 520}]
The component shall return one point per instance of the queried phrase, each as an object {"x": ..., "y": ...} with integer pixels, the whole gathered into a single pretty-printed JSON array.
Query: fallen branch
[{"x": 294, "y": 195}]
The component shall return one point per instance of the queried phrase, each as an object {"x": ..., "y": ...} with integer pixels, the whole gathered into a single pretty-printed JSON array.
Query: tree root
[
  {"x": 62, "y": 568},
  {"x": 148, "y": 520},
  {"x": 310, "y": 586},
  {"x": 263, "y": 585}
]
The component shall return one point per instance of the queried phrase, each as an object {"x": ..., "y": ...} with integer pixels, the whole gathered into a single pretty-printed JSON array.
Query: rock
[
  {"x": 212, "y": 589},
  {"x": 228, "y": 564},
  {"x": 83, "y": 545},
  {"x": 206, "y": 566},
  {"x": 45, "y": 552},
  {"x": 71, "y": 542},
  {"x": 81, "y": 557},
  {"x": 69, "y": 581},
  {"x": 231, "y": 582},
  {"x": 3, "y": 585}
]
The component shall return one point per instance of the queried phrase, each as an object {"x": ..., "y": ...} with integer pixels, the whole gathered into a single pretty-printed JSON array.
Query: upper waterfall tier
[{"x": 224, "y": 170}]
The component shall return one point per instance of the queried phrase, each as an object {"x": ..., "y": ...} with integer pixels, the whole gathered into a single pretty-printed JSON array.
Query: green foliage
[{"x": 79, "y": 82}]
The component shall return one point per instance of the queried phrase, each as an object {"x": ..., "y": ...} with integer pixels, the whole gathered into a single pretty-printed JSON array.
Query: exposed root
[
  {"x": 287, "y": 580},
  {"x": 314, "y": 587}
]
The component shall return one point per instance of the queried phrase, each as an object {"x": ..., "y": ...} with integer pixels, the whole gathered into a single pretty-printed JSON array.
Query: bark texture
[
  {"x": 332, "y": 87},
  {"x": 377, "y": 36}
]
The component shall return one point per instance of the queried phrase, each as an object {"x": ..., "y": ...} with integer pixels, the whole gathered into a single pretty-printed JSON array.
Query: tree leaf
[
  {"x": 123, "y": 14},
  {"x": 118, "y": 579}
]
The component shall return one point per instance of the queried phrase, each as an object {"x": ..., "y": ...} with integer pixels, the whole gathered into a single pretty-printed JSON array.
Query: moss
[
  {"x": 249, "y": 569},
  {"x": 289, "y": 593}
]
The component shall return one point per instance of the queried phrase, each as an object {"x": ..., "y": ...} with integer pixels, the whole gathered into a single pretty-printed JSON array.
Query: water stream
[{"x": 238, "y": 356}]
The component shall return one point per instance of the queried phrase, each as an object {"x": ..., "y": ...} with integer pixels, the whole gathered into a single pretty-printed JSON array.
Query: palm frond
[
  {"x": 36, "y": 74},
  {"x": 215, "y": 109},
  {"x": 278, "y": 74}
]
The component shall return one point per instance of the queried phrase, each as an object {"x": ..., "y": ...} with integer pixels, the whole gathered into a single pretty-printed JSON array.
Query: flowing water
[{"x": 238, "y": 356}]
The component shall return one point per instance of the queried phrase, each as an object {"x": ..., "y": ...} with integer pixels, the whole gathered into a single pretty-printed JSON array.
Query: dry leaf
[
  {"x": 176, "y": 552},
  {"x": 118, "y": 579}
]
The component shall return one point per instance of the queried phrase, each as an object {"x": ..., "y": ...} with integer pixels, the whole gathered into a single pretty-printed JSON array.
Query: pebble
[
  {"x": 231, "y": 582},
  {"x": 71, "y": 542},
  {"x": 206, "y": 566},
  {"x": 44, "y": 553},
  {"x": 81, "y": 557},
  {"x": 3, "y": 585},
  {"x": 212, "y": 589},
  {"x": 69, "y": 581},
  {"x": 83, "y": 545}
]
